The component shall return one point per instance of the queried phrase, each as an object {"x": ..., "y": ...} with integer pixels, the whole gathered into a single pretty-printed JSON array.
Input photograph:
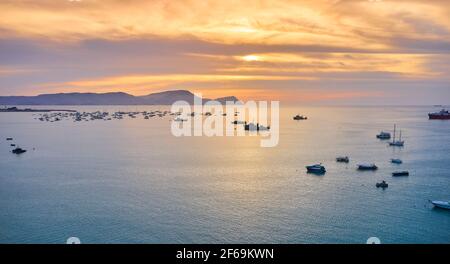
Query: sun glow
[{"x": 251, "y": 58}]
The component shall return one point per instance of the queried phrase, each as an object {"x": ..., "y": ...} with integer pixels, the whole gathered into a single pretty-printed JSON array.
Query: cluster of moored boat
[
  {"x": 99, "y": 115},
  {"x": 17, "y": 150},
  {"x": 320, "y": 169}
]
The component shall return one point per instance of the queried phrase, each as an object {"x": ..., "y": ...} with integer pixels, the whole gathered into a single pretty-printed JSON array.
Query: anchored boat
[
  {"x": 18, "y": 150},
  {"x": 384, "y": 135},
  {"x": 382, "y": 184},
  {"x": 399, "y": 142},
  {"x": 367, "y": 167},
  {"x": 400, "y": 173},
  {"x": 343, "y": 159},
  {"x": 300, "y": 117},
  {"x": 442, "y": 115},
  {"x": 396, "y": 161},
  {"x": 441, "y": 204},
  {"x": 316, "y": 168}
]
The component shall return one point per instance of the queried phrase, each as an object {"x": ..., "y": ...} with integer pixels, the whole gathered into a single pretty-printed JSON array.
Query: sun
[{"x": 251, "y": 58}]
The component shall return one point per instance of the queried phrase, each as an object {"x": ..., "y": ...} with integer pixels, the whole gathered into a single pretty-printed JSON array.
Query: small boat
[
  {"x": 382, "y": 184},
  {"x": 397, "y": 143},
  {"x": 316, "y": 168},
  {"x": 384, "y": 135},
  {"x": 8, "y": 139},
  {"x": 300, "y": 117},
  {"x": 18, "y": 150},
  {"x": 441, "y": 115},
  {"x": 343, "y": 159},
  {"x": 441, "y": 204},
  {"x": 236, "y": 122},
  {"x": 367, "y": 167},
  {"x": 396, "y": 161},
  {"x": 400, "y": 173},
  {"x": 178, "y": 119},
  {"x": 13, "y": 145},
  {"x": 257, "y": 127}
]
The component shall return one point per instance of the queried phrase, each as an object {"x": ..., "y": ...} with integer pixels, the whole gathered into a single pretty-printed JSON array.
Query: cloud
[{"x": 270, "y": 47}]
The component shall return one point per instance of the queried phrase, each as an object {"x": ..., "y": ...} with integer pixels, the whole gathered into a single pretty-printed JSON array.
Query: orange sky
[{"x": 311, "y": 50}]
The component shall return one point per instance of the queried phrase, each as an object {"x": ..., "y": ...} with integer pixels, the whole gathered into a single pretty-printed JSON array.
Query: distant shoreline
[{"x": 28, "y": 110}]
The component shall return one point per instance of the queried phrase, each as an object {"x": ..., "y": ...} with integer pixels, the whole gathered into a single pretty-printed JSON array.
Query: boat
[
  {"x": 343, "y": 159},
  {"x": 384, "y": 135},
  {"x": 8, "y": 139},
  {"x": 367, "y": 167},
  {"x": 18, "y": 150},
  {"x": 396, "y": 161},
  {"x": 257, "y": 127},
  {"x": 400, "y": 173},
  {"x": 382, "y": 184},
  {"x": 441, "y": 115},
  {"x": 13, "y": 145},
  {"x": 178, "y": 119},
  {"x": 316, "y": 168},
  {"x": 399, "y": 142},
  {"x": 441, "y": 204},
  {"x": 300, "y": 117}
]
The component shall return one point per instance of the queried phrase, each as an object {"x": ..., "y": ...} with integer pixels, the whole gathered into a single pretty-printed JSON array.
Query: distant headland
[{"x": 114, "y": 98}]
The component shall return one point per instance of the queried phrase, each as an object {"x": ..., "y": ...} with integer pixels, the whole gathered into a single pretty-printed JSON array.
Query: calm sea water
[{"x": 131, "y": 181}]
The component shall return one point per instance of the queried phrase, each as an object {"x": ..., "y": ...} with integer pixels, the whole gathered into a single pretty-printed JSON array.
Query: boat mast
[{"x": 393, "y": 140}]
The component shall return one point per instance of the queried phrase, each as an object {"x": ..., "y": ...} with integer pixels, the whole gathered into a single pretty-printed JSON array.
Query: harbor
[{"x": 216, "y": 184}]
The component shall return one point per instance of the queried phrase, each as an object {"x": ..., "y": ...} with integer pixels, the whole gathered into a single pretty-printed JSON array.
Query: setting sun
[{"x": 251, "y": 58}]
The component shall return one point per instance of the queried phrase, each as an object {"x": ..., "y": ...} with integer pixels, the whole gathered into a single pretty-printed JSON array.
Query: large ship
[{"x": 443, "y": 114}]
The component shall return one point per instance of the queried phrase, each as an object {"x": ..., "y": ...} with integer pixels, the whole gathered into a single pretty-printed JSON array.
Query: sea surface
[{"x": 132, "y": 181}]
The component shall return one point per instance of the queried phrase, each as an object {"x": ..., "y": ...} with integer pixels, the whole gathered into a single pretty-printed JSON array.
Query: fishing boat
[
  {"x": 316, "y": 168},
  {"x": 343, "y": 159},
  {"x": 382, "y": 184},
  {"x": 399, "y": 142},
  {"x": 396, "y": 161},
  {"x": 300, "y": 117},
  {"x": 400, "y": 173},
  {"x": 441, "y": 115},
  {"x": 18, "y": 150},
  {"x": 367, "y": 167},
  {"x": 441, "y": 204},
  {"x": 384, "y": 135}
]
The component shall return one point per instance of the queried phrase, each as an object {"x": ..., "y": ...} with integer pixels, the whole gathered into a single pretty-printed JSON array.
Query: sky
[{"x": 310, "y": 51}]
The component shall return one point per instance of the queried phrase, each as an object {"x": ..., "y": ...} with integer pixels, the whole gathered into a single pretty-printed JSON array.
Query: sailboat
[{"x": 397, "y": 143}]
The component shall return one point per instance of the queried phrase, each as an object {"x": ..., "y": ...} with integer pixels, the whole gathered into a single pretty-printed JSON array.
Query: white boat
[
  {"x": 399, "y": 142},
  {"x": 441, "y": 204}
]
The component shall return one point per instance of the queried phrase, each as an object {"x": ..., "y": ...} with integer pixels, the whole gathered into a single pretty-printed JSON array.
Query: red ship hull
[{"x": 440, "y": 117}]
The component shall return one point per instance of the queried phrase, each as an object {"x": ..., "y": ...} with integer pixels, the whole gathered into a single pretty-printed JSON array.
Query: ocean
[{"x": 132, "y": 181}]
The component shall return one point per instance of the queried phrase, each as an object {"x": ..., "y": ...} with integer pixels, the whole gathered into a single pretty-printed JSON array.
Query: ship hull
[{"x": 438, "y": 117}]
